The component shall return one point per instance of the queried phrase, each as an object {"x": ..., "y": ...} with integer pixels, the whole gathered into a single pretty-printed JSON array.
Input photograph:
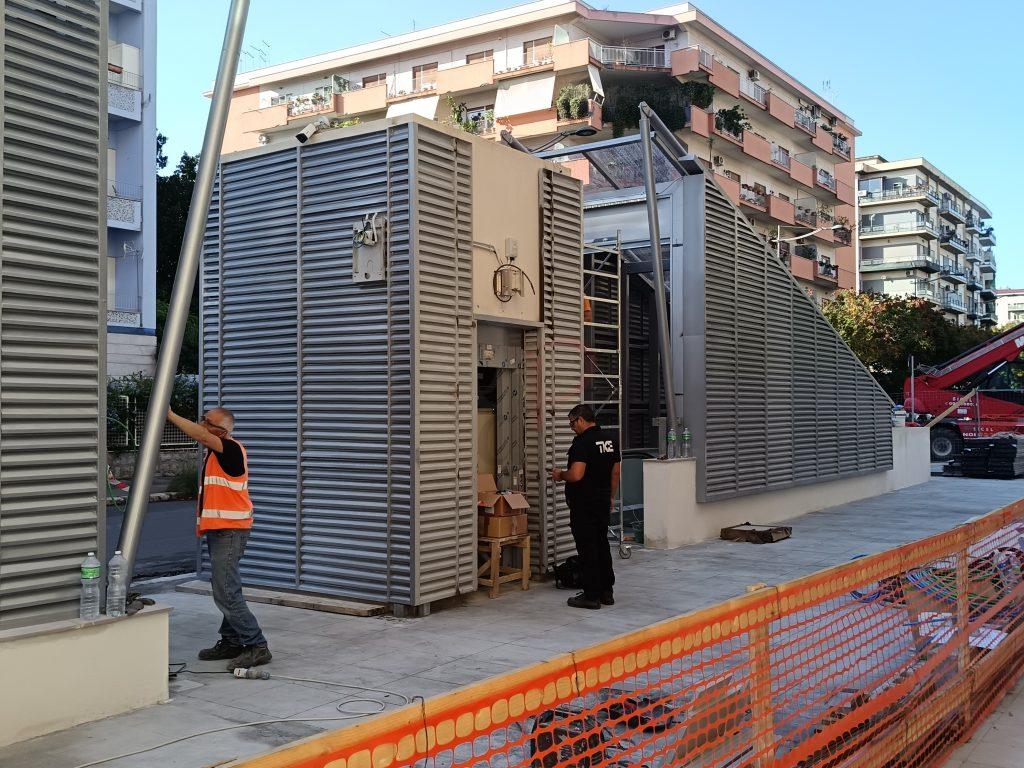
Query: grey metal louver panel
[
  {"x": 445, "y": 365},
  {"x": 258, "y": 306},
  {"x": 52, "y": 309},
  {"x": 356, "y": 374},
  {"x": 558, "y": 353},
  {"x": 785, "y": 400}
]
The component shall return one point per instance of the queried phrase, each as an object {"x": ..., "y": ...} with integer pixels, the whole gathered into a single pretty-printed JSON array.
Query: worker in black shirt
[{"x": 591, "y": 481}]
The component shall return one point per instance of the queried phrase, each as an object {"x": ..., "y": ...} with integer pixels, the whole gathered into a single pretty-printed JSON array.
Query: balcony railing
[
  {"x": 950, "y": 269},
  {"x": 953, "y": 300},
  {"x": 925, "y": 290},
  {"x": 780, "y": 156},
  {"x": 924, "y": 259},
  {"x": 898, "y": 227},
  {"x": 805, "y": 121},
  {"x": 622, "y": 56},
  {"x": 753, "y": 197},
  {"x": 705, "y": 58},
  {"x": 826, "y": 180},
  {"x": 755, "y": 93},
  {"x": 125, "y": 191},
  {"x": 843, "y": 236},
  {"x": 124, "y": 78},
  {"x": 806, "y": 251},
  {"x": 842, "y": 146},
  {"x": 723, "y": 130},
  {"x": 827, "y": 269},
  {"x": 900, "y": 193},
  {"x": 953, "y": 239},
  {"x": 806, "y": 216},
  {"x": 948, "y": 206}
]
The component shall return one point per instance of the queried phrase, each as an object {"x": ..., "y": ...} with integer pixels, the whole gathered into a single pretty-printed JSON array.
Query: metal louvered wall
[
  {"x": 354, "y": 400},
  {"x": 554, "y": 365},
  {"x": 780, "y": 399},
  {"x": 445, "y": 367},
  {"x": 52, "y": 302}
]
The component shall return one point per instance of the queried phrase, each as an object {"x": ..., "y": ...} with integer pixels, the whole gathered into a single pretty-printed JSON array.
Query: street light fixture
[{"x": 512, "y": 141}]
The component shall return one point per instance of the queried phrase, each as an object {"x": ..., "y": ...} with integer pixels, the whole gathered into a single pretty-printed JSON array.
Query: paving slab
[{"x": 423, "y": 657}]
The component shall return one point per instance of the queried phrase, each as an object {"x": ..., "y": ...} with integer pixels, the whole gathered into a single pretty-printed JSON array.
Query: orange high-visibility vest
[{"x": 225, "y": 499}]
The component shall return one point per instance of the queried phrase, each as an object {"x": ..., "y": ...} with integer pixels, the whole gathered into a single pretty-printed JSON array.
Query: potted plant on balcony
[
  {"x": 572, "y": 101},
  {"x": 732, "y": 120},
  {"x": 699, "y": 94}
]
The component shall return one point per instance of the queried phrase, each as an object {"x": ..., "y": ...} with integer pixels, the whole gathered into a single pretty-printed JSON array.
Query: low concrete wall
[
  {"x": 65, "y": 673},
  {"x": 673, "y": 517}
]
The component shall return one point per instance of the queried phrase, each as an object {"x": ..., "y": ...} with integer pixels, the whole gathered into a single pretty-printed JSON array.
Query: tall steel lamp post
[{"x": 184, "y": 280}]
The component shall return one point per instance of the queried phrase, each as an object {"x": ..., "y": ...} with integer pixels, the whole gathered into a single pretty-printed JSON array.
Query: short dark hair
[{"x": 583, "y": 411}]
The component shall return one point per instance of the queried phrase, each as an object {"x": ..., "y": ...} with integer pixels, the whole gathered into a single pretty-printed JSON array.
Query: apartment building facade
[
  {"x": 922, "y": 234},
  {"x": 555, "y": 72},
  {"x": 131, "y": 187},
  {"x": 1009, "y": 306}
]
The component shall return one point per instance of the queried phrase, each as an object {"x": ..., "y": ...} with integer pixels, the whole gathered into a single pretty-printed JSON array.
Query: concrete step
[{"x": 293, "y": 600}]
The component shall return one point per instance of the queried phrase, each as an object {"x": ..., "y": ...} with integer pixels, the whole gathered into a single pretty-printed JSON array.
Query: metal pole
[
  {"x": 184, "y": 281},
  {"x": 512, "y": 141},
  {"x": 664, "y": 341},
  {"x": 913, "y": 401}
]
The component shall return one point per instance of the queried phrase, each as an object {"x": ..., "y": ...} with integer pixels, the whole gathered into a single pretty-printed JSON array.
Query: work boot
[
  {"x": 582, "y": 601},
  {"x": 251, "y": 656},
  {"x": 224, "y": 649},
  {"x": 608, "y": 598}
]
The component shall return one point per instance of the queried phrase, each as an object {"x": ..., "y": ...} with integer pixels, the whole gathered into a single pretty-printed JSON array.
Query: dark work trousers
[
  {"x": 590, "y": 532},
  {"x": 239, "y": 625}
]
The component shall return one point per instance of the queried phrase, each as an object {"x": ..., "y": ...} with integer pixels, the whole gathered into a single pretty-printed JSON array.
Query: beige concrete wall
[
  {"x": 130, "y": 353},
  {"x": 70, "y": 672},
  {"x": 673, "y": 517}
]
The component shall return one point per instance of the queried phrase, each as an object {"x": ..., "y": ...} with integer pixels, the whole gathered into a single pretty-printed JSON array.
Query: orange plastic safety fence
[{"x": 886, "y": 661}]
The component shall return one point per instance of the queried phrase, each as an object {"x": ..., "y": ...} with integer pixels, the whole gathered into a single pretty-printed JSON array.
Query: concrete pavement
[{"x": 477, "y": 639}]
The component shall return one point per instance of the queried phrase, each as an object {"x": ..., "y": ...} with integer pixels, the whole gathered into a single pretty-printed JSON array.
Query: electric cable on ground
[{"x": 255, "y": 674}]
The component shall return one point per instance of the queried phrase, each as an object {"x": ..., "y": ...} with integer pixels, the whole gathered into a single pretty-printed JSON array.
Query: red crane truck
[{"x": 995, "y": 369}]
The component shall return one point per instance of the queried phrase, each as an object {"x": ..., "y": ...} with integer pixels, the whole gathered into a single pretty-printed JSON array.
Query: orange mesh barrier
[{"x": 885, "y": 661}]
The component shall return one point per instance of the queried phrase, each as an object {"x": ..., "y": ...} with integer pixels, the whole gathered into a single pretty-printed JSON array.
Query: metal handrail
[
  {"x": 655, "y": 58},
  {"x": 125, "y": 191},
  {"x": 806, "y": 122}
]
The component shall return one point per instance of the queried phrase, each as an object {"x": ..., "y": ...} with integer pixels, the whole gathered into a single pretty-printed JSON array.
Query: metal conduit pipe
[
  {"x": 647, "y": 118},
  {"x": 184, "y": 280}
]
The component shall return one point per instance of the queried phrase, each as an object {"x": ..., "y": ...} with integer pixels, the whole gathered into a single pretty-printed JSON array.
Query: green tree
[
  {"x": 884, "y": 331},
  {"x": 173, "y": 198},
  {"x": 161, "y": 158}
]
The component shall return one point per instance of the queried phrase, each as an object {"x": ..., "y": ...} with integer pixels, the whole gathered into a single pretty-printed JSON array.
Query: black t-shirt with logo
[{"x": 599, "y": 450}]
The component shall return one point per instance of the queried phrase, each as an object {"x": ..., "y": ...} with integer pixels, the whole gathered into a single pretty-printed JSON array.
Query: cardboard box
[
  {"x": 500, "y": 526},
  {"x": 498, "y": 504}
]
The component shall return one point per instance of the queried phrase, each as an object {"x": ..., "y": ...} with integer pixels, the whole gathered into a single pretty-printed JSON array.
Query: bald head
[{"x": 220, "y": 418}]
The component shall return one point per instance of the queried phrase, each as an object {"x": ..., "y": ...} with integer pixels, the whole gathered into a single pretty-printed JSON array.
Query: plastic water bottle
[
  {"x": 90, "y": 604},
  {"x": 117, "y": 584},
  {"x": 670, "y": 439},
  {"x": 686, "y": 447}
]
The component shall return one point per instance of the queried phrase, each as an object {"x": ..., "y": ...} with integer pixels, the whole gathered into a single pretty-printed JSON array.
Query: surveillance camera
[{"x": 309, "y": 131}]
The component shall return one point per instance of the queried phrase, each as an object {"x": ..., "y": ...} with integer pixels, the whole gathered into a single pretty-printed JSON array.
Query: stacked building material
[{"x": 1001, "y": 456}]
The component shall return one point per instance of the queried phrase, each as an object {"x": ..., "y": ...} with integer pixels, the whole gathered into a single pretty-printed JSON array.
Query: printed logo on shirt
[{"x": 605, "y": 446}]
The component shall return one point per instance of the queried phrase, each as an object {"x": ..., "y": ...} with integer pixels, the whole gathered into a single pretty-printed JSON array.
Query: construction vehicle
[{"x": 993, "y": 371}]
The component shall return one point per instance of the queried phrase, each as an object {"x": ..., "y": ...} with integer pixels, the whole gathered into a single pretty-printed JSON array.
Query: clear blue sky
[{"x": 939, "y": 79}]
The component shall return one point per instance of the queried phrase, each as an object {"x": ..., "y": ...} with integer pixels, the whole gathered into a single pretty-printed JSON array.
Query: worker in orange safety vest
[{"x": 224, "y": 515}]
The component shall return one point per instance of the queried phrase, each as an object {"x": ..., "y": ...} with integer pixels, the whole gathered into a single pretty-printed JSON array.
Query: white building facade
[{"x": 131, "y": 187}]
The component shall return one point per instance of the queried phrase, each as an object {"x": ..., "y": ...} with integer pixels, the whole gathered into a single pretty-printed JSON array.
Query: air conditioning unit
[
  {"x": 754, "y": 74},
  {"x": 718, "y": 160},
  {"x": 669, "y": 34}
]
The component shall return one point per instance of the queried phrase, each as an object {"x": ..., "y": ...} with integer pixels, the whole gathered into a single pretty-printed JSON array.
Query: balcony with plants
[
  {"x": 756, "y": 198},
  {"x": 730, "y": 123},
  {"x": 841, "y": 146},
  {"x": 974, "y": 223},
  {"x": 827, "y": 270},
  {"x": 952, "y": 242},
  {"x": 806, "y": 251},
  {"x": 987, "y": 236}
]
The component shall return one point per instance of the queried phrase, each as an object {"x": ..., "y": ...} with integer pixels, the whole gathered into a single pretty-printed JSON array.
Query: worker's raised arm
[{"x": 196, "y": 431}]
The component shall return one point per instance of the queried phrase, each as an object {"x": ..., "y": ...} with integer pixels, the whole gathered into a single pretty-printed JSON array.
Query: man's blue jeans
[{"x": 239, "y": 625}]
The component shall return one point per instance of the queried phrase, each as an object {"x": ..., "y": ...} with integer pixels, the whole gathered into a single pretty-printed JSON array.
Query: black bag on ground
[{"x": 567, "y": 574}]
